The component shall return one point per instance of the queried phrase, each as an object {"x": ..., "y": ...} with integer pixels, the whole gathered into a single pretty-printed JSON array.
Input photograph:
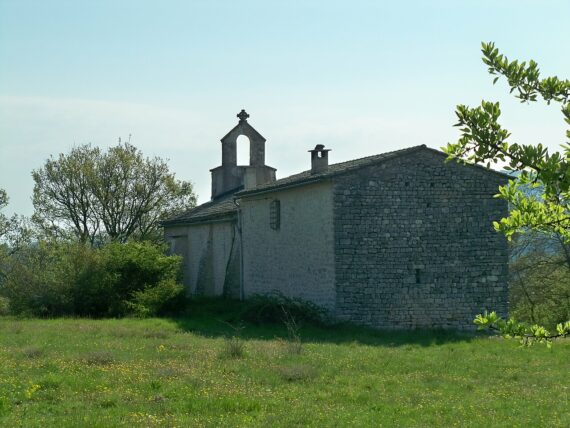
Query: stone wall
[
  {"x": 415, "y": 245},
  {"x": 211, "y": 259},
  {"x": 297, "y": 258}
]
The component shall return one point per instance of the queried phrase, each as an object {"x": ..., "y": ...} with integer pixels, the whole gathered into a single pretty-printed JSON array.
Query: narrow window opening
[
  {"x": 418, "y": 274},
  {"x": 242, "y": 150},
  {"x": 275, "y": 214},
  {"x": 406, "y": 184}
]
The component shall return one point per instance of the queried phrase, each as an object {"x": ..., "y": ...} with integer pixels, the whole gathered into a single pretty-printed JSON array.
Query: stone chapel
[{"x": 402, "y": 239}]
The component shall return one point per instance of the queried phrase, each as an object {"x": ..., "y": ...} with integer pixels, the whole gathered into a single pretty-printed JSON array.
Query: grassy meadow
[{"x": 186, "y": 372}]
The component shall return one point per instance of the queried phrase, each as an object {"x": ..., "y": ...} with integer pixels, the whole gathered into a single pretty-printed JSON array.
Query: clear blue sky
[{"x": 361, "y": 77}]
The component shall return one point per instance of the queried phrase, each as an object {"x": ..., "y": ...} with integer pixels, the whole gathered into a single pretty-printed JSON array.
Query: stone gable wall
[{"x": 415, "y": 245}]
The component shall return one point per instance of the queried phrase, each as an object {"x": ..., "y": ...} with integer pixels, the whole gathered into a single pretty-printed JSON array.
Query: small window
[{"x": 275, "y": 214}]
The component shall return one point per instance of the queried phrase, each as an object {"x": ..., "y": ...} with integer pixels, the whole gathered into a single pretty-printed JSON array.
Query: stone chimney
[{"x": 319, "y": 159}]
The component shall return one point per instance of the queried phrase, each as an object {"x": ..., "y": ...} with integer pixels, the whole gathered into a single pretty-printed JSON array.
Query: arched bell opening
[{"x": 243, "y": 150}]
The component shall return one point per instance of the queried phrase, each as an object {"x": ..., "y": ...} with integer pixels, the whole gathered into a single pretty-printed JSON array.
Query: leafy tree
[
  {"x": 5, "y": 222},
  {"x": 5, "y": 227},
  {"x": 135, "y": 193},
  {"x": 15, "y": 232},
  {"x": 484, "y": 140},
  {"x": 539, "y": 279},
  {"x": 63, "y": 197},
  {"x": 113, "y": 195}
]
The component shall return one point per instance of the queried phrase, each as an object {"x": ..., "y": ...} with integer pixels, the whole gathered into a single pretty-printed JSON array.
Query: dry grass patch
[
  {"x": 123, "y": 332},
  {"x": 33, "y": 352},
  {"x": 297, "y": 372},
  {"x": 168, "y": 372},
  {"x": 234, "y": 347},
  {"x": 155, "y": 334},
  {"x": 98, "y": 358}
]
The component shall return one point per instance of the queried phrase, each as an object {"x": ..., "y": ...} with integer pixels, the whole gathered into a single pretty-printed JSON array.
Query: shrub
[
  {"x": 63, "y": 278},
  {"x": 39, "y": 279},
  {"x": 277, "y": 308},
  {"x": 128, "y": 278},
  {"x": 166, "y": 296},
  {"x": 4, "y": 306}
]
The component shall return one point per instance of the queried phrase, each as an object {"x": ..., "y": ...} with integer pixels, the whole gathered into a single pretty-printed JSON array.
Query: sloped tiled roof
[
  {"x": 306, "y": 177},
  {"x": 216, "y": 209},
  {"x": 225, "y": 206},
  {"x": 334, "y": 169}
]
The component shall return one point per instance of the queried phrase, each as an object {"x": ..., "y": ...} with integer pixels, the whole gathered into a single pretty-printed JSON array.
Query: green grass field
[{"x": 180, "y": 372}]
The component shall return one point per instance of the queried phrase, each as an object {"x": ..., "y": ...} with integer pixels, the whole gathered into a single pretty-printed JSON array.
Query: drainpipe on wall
[{"x": 239, "y": 227}]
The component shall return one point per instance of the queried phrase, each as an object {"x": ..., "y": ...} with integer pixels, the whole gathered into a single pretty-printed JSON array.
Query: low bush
[
  {"x": 166, "y": 296},
  {"x": 62, "y": 278},
  {"x": 4, "y": 306},
  {"x": 133, "y": 278},
  {"x": 39, "y": 279},
  {"x": 277, "y": 308}
]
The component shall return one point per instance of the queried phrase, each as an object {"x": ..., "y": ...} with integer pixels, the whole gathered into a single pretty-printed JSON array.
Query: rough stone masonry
[{"x": 415, "y": 245}]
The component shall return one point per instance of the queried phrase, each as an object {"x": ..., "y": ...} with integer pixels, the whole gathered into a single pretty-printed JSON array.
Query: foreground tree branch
[
  {"x": 528, "y": 335},
  {"x": 539, "y": 193},
  {"x": 484, "y": 141}
]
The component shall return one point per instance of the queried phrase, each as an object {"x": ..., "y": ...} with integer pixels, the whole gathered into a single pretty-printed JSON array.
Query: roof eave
[
  {"x": 221, "y": 218},
  {"x": 248, "y": 193}
]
